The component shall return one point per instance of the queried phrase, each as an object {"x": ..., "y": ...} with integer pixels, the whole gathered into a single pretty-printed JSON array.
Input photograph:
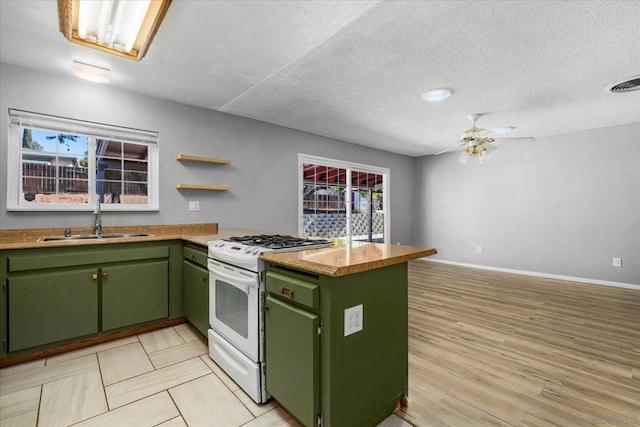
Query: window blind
[{"x": 98, "y": 130}]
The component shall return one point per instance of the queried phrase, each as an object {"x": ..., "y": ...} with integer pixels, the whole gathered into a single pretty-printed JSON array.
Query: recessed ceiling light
[
  {"x": 91, "y": 73},
  {"x": 499, "y": 131},
  {"x": 437, "y": 95}
]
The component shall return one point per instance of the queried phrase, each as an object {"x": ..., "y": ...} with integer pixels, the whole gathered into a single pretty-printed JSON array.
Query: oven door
[{"x": 234, "y": 297}]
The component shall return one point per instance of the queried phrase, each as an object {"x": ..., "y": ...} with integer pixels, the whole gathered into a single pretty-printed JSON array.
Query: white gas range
[{"x": 235, "y": 304}]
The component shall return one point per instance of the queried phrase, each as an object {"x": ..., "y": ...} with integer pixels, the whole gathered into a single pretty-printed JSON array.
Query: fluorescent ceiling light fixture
[
  {"x": 502, "y": 130},
  {"x": 91, "y": 72},
  {"x": 437, "y": 95},
  {"x": 122, "y": 27}
]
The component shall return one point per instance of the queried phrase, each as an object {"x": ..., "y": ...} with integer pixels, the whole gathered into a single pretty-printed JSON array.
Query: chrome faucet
[{"x": 97, "y": 228}]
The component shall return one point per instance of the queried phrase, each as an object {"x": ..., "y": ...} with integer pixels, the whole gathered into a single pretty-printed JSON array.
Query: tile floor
[{"x": 161, "y": 378}]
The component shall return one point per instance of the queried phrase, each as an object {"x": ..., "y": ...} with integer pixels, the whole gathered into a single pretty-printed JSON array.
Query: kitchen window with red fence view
[
  {"x": 56, "y": 169},
  {"x": 59, "y": 163}
]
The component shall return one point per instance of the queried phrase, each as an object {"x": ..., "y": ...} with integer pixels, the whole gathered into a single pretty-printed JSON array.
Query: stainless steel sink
[
  {"x": 124, "y": 235},
  {"x": 92, "y": 236}
]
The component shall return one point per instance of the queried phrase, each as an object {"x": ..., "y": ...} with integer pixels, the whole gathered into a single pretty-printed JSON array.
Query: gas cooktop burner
[{"x": 278, "y": 241}]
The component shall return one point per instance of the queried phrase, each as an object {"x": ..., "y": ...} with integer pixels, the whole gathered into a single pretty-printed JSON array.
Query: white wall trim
[{"x": 538, "y": 274}]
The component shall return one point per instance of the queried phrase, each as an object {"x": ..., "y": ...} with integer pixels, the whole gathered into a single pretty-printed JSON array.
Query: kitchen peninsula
[
  {"x": 336, "y": 331},
  {"x": 335, "y": 318}
]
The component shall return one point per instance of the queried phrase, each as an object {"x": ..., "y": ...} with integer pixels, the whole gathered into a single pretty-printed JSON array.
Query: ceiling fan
[{"x": 477, "y": 142}]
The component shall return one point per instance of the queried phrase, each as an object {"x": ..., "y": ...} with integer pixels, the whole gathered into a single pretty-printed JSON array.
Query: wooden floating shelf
[
  {"x": 203, "y": 159},
  {"x": 203, "y": 187}
]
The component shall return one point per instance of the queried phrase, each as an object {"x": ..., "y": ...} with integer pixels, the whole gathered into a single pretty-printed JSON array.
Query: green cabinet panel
[
  {"x": 292, "y": 359},
  {"x": 366, "y": 373},
  {"x": 134, "y": 293},
  {"x": 47, "y": 307},
  {"x": 363, "y": 375},
  {"x": 52, "y": 296},
  {"x": 195, "y": 282},
  {"x": 39, "y": 259}
]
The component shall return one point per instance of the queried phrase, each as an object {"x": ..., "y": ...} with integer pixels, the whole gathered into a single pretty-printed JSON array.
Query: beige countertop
[
  {"x": 199, "y": 234},
  {"x": 339, "y": 260},
  {"x": 348, "y": 258},
  {"x": 28, "y": 238}
]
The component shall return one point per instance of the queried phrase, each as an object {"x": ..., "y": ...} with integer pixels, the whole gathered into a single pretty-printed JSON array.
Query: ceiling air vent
[{"x": 626, "y": 85}]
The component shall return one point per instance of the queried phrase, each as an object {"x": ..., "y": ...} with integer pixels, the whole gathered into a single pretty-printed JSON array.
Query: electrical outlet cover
[{"x": 353, "y": 319}]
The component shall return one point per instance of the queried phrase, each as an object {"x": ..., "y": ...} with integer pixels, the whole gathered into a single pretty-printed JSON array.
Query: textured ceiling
[{"x": 355, "y": 71}]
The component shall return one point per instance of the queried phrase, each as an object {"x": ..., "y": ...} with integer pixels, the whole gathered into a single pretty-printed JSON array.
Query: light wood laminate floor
[
  {"x": 492, "y": 348},
  {"x": 161, "y": 378}
]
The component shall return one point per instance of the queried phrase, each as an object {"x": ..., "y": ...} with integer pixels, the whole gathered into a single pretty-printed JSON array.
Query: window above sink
[{"x": 60, "y": 164}]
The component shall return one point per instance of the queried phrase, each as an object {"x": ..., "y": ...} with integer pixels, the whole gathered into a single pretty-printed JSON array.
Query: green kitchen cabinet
[
  {"x": 134, "y": 293},
  {"x": 360, "y": 376},
  {"x": 56, "y": 295},
  {"x": 195, "y": 282},
  {"x": 50, "y": 306},
  {"x": 293, "y": 360}
]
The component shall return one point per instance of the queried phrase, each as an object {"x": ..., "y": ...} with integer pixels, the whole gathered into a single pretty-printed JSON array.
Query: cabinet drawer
[
  {"x": 195, "y": 256},
  {"x": 294, "y": 289},
  {"x": 40, "y": 259}
]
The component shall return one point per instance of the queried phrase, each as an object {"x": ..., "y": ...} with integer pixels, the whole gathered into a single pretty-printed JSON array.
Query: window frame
[
  {"x": 349, "y": 166},
  {"x": 19, "y": 120}
]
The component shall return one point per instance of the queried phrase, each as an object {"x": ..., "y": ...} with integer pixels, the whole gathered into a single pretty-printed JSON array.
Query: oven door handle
[
  {"x": 222, "y": 257},
  {"x": 250, "y": 282}
]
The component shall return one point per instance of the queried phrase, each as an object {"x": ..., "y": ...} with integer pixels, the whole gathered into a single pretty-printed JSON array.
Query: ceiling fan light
[
  {"x": 477, "y": 143},
  {"x": 436, "y": 95},
  {"x": 474, "y": 133},
  {"x": 463, "y": 158}
]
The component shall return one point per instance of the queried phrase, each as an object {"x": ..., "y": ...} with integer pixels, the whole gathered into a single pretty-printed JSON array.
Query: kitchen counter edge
[
  {"x": 198, "y": 234},
  {"x": 336, "y": 261},
  {"x": 348, "y": 259}
]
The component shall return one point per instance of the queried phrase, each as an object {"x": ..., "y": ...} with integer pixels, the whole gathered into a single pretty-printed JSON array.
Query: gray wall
[
  {"x": 562, "y": 205},
  {"x": 264, "y": 158}
]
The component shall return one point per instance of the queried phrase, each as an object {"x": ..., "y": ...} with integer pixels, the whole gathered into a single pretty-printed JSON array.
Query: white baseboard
[{"x": 534, "y": 273}]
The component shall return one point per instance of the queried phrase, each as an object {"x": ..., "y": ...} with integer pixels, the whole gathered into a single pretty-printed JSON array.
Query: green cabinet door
[
  {"x": 195, "y": 282},
  {"x": 134, "y": 293},
  {"x": 292, "y": 359},
  {"x": 52, "y": 306}
]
